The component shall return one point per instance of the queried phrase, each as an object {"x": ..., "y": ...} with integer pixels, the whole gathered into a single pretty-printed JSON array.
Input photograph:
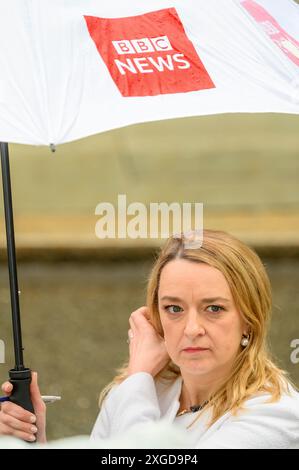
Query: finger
[
  {"x": 25, "y": 436},
  {"x": 146, "y": 312},
  {"x": 7, "y": 388},
  {"x": 36, "y": 398},
  {"x": 132, "y": 330},
  {"x": 140, "y": 317},
  {"x": 141, "y": 311},
  {"x": 17, "y": 412},
  {"x": 133, "y": 320},
  {"x": 130, "y": 334},
  {"x": 132, "y": 324},
  {"x": 7, "y": 431},
  {"x": 18, "y": 425}
]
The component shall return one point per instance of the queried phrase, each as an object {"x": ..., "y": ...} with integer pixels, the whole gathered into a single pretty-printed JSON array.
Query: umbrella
[{"x": 70, "y": 69}]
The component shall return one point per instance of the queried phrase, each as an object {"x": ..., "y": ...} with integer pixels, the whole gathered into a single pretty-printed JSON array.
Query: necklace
[{"x": 193, "y": 409}]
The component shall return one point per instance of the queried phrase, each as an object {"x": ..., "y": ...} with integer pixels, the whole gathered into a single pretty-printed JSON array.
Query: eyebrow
[{"x": 206, "y": 300}]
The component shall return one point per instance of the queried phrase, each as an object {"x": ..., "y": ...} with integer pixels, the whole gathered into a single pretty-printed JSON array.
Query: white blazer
[{"x": 141, "y": 399}]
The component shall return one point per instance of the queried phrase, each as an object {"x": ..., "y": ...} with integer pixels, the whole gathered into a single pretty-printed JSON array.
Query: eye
[
  {"x": 177, "y": 309},
  {"x": 217, "y": 306}
]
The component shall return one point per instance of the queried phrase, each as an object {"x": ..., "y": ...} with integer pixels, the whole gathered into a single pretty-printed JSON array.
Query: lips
[{"x": 195, "y": 349}]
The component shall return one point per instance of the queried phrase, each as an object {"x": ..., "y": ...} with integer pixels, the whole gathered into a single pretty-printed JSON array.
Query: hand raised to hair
[{"x": 147, "y": 347}]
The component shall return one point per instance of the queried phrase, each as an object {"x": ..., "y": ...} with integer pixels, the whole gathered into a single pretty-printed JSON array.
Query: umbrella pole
[
  {"x": 20, "y": 376},
  {"x": 11, "y": 253}
]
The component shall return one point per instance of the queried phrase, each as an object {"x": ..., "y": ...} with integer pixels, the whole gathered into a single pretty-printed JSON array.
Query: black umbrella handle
[{"x": 21, "y": 380}]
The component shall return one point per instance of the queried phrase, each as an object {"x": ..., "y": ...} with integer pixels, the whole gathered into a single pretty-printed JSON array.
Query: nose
[{"x": 194, "y": 324}]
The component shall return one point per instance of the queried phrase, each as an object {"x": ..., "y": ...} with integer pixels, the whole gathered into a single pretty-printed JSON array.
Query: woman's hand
[
  {"x": 17, "y": 422},
  {"x": 147, "y": 348}
]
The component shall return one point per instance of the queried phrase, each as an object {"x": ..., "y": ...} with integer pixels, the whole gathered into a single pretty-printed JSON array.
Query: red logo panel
[{"x": 149, "y": 54}]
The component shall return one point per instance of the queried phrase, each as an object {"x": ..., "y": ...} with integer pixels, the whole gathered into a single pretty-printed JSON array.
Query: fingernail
[
  {"x": 33, "y": 429},
  {"x": 32, "y": 419},
  {"x": 32, "y": 438}
]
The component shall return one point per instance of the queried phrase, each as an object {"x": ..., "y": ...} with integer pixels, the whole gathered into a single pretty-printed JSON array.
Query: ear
[{"x": 246, "y": 331}]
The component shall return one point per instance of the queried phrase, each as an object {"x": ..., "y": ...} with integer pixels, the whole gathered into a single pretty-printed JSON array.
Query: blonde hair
[{"x": 253, "y": 371}]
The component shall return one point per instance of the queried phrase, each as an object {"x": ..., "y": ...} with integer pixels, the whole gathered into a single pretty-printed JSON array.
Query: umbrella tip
[{"x": 52, "y": 147}]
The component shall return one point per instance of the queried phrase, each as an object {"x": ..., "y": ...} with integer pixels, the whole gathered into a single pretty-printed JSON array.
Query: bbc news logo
[
  {"x": 162, "y": 60},
  {"x": 148, "y": 64}
]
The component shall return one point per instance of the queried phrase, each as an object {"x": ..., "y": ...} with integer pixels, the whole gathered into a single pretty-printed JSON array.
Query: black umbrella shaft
[{"x": 11, "y": 254}]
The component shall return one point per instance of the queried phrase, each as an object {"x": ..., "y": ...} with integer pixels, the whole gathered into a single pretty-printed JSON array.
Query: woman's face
[{"x": 194, "y": 316}]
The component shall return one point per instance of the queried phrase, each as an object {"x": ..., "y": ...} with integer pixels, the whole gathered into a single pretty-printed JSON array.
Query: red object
[
  {"x": 277, "y": 34},
  {"x": 149, "y": 54},
  {"x": 195, "y": 349}
]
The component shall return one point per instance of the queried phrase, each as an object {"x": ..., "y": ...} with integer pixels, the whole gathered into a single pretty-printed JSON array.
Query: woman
[{"x": 198, "y": 354}]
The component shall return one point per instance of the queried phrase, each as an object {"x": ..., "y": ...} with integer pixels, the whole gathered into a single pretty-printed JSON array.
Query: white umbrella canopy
[{"x": 70, "y": 69}]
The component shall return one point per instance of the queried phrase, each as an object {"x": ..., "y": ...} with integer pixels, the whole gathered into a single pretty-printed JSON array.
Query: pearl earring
[{"x": 245, "y": 341}]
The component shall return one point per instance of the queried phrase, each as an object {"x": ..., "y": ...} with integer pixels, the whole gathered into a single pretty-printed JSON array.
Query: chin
[{"x": 195, "y": 369}]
